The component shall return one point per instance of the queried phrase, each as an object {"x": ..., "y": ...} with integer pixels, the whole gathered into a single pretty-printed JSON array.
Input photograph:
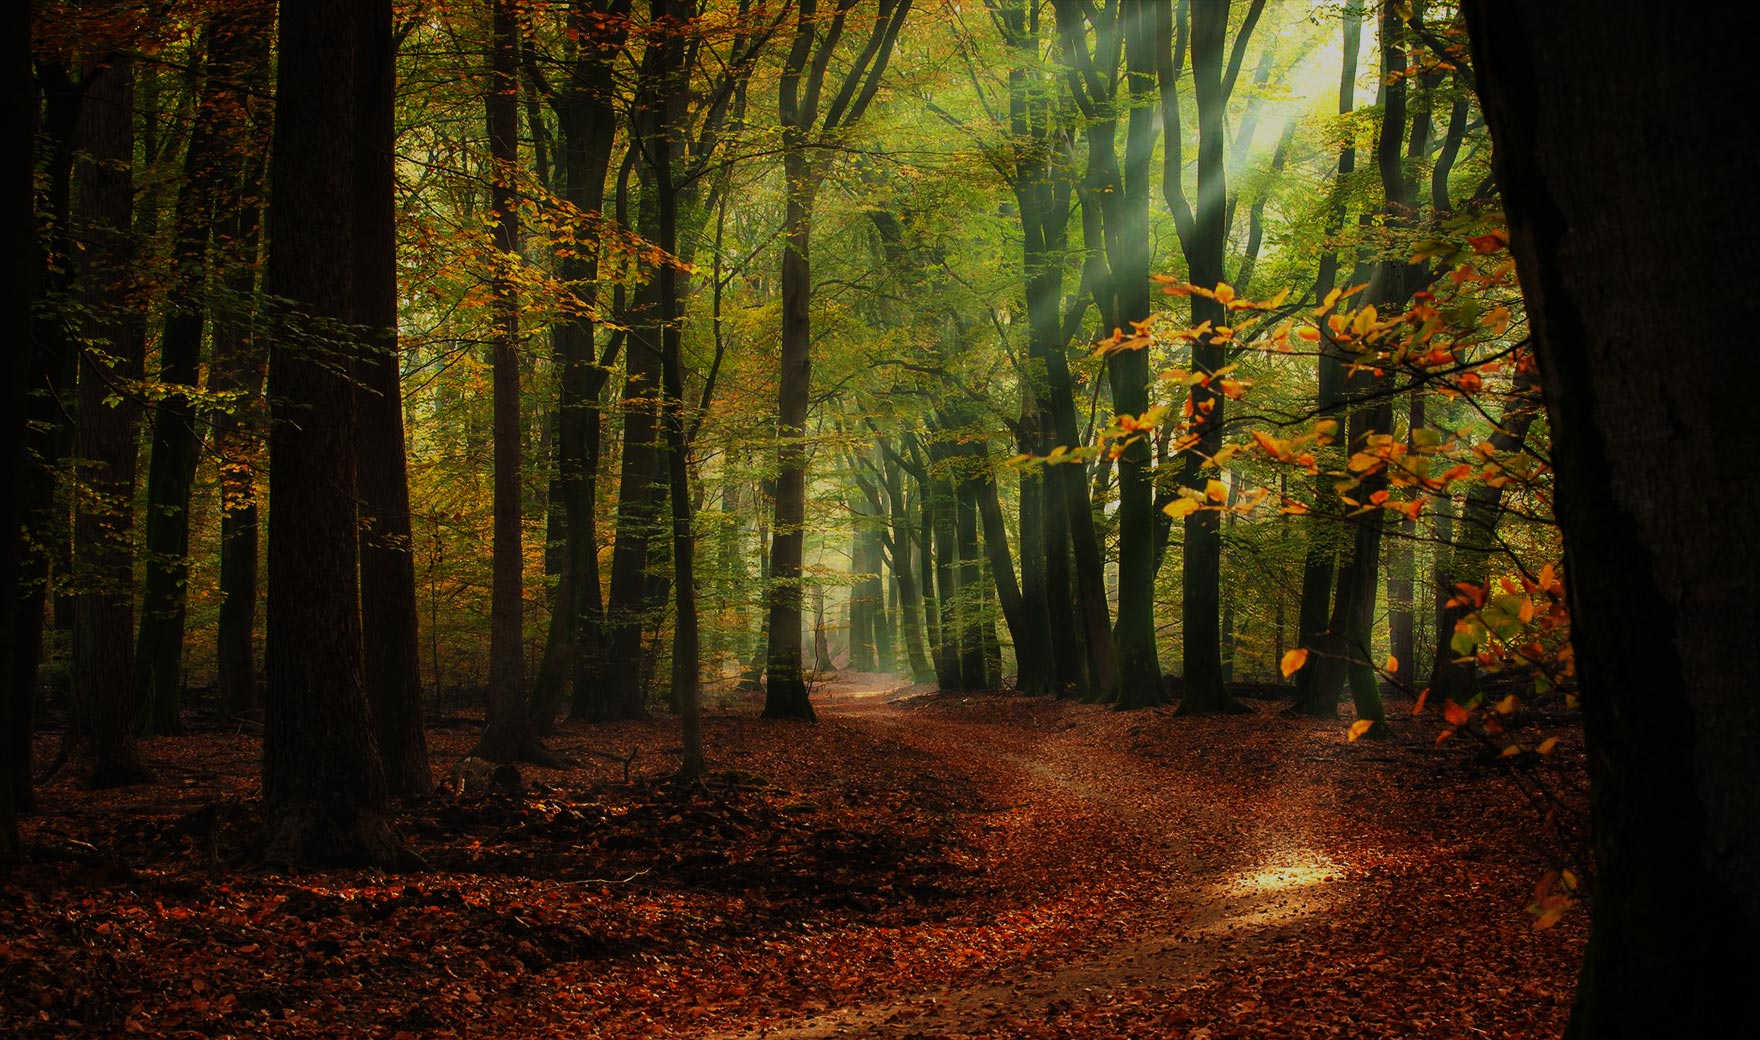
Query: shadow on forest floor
[{"x": 914, "y": 865}]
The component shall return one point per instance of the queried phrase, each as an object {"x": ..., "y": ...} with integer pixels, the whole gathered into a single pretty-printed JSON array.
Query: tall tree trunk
[
  {"x": 1662, "y": 609},
  {"x": 785, "y": 691},
  {"x": 209, "y": 164},
  {"x": 968, "y": 605},
  {"x": 1139, "y": 666},
  {"x": 587, "y": 122},
  {"x": 101, "y": 730},
  {"x": 507, "y": 731},
  {"x": 323, "y": 791},
  {"x": 1205, "y": 239},
  {"x": 906, "y": 548},
  {"x": 391, "y": 657},
  {"x": 18, "y": 283},
  {"x": 1348, "y": 651},
  {"x": 239, "y": 367},
  {"x": 805, "y": 125},
  {"x": 1324, "y": 539},
  {"x": 1402, "y": 572}
]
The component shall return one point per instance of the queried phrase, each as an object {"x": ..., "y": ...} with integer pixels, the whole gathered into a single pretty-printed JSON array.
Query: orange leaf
[
  {"x": 1455, "y": 714},
  {"x": 1360, "y": 727},
  {"x": 1418, "y": 708},
  {"x": 1547, "y": 745},
  {"x": 1293, "y": 661}
]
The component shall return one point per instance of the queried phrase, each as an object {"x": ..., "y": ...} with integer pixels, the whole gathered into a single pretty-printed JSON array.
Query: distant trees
[
  {"x": 598, "y": 177},
  {"x": 807, "y": 131}
]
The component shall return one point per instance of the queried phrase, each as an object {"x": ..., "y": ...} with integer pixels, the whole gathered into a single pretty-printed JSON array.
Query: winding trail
[{"x": 1156, "y": 874}]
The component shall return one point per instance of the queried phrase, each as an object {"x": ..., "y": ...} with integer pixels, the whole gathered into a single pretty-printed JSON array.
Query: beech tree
[
  {"x": 324, "y": 798},
  {"x": 1663, "y": 611},
  {"x": 808, "y": 133},
  {"x": 18, "y": 124}
]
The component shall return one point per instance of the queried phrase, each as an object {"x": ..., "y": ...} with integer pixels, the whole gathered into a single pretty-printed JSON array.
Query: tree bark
[
  {"x": 101, "y": 729},
  {"x": 18, "y": 290},
  {"x": 508, "y": 735},
  {"x": 391, "y": 657},
  {"x": 1206, "y": 242},
  {"x": 323, "y": 790},
  {"x": 1663, "y": 611},
  {"x": 211, "y": 164}
]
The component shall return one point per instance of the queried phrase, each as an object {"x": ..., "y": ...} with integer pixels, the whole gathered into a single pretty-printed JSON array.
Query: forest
[{"x": 895, "y": 518}]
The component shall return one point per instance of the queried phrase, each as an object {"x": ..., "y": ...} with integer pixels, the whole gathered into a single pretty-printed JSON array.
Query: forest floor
[{"x": 914, "y": 866}]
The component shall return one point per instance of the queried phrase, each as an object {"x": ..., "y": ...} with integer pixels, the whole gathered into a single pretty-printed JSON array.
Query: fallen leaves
[{"x": 995, "y": 866}]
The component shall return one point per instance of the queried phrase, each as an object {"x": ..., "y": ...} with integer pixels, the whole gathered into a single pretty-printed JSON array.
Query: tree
[
  {"x": 18, "y": 124},
  {"x": 390, "y": 655},
  {"x": 508, "y": 734},
  {"x": 214, "y": 161},
  {"x": 806, "y": 134},
  {"x": 101, "y": 732},
  {"x": 1620, "y": 240},
  {"x": 323, "y": 790}
]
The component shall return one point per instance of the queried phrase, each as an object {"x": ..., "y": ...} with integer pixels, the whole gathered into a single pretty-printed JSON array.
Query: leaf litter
[{"x": 912, "y": 866}]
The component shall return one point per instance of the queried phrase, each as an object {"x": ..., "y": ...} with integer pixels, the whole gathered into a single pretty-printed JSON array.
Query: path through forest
[
  {"x": 1223, "y": 877},
  {"x": 1210, "y": 865},
  {"x": 913, "y": 866}
]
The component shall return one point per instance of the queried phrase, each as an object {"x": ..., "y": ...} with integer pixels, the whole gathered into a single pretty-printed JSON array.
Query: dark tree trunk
[
  {"x": 508, "y": 735},
  {"x": 1041, "y": 193},
  {"x": 905, "y": 549},
  {"x": 391, "y": 658},
  {"x": 1032, "y": 656},
  {"x": 323, "y": 791},
  {"x": 1402, "y": 572},
  {"x": 211, "y": 163},
  {"x": 1205, "y": 239},
  {"x": 239, "y": 367},
  {"x": 18, "y": 284},
  {"x": 1663, "y": 611},
  {"x": 1347, "y": 656},
  {"x": 1467, "y": 556},
  {"x": 1139, "y": 666},
  {"x": 785, "y": 691},
  {"x": 968, "y": 606},
  {"x": 588, "y": 125},
  {"x": 1324, "y": 538},
  {"x": 101, "y": 729},
  {"x": 948, "y": 662}
]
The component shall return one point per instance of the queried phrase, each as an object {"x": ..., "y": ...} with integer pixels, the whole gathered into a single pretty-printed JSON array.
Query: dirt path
[
  {"x": 915, "y": 866},
  {"x": 1166, "y": 878}
]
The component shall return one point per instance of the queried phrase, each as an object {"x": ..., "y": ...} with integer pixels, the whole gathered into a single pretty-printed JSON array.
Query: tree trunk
[
  {"x": 785, "y": 690},
  {"x": 101, "y": 729},
  {"x": 1139, "y": 666},
  {"x": 1205, "y": 245},
  {"x": 588, "y": 126},
  {"x": 239, "y": 367},
  {"x": 508, "y": 735},
  {"x": 1321, "y": 557},
  {"x": 323, "y": 790},
  {"x": 1663, "y": 612},
  {"x": 905, "y": 550},
  {"x": 18, "y": 283},
  {"x": 1402, "y": 572},
  {"x": 210, "y": 165},
  {"x": 391, "y": 657}
]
